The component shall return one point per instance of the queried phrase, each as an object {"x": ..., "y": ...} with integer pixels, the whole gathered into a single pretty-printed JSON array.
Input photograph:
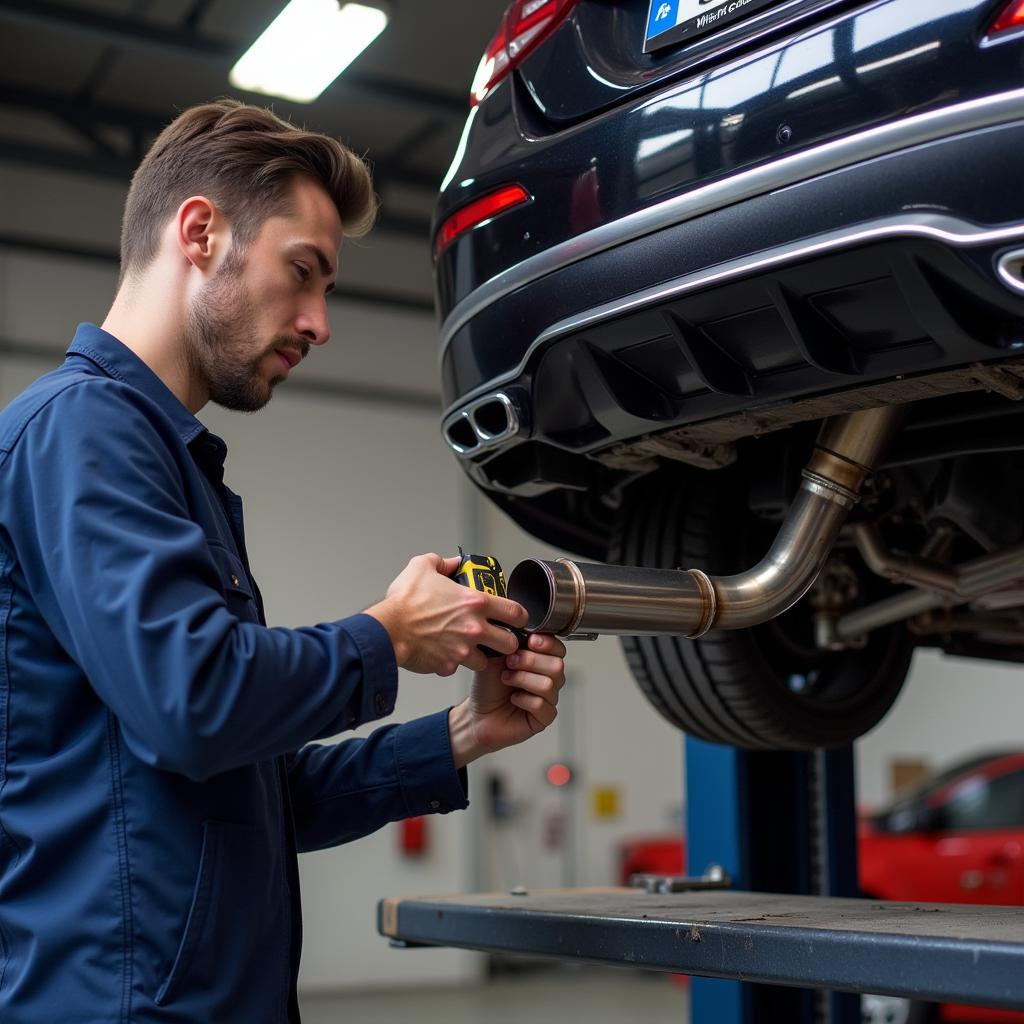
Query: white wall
[{"x": 949, "y": 707}]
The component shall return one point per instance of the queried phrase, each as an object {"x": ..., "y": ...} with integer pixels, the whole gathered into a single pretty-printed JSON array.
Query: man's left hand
[{"x": 513, "y": 698}]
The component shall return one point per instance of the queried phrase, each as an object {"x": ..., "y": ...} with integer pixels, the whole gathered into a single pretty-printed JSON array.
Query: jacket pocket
[
  {"x": 238, "y": 592},
  {"x": 232, "y": 872}
]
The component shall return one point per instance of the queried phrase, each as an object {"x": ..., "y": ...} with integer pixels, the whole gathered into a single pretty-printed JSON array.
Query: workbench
[{"x": 952, "y": 953}]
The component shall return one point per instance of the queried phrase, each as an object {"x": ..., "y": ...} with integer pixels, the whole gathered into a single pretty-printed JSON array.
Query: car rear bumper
[
  {"x": 943, "y": 124},
  {"x": 864, "y": 80},
  {"x": 810, "y": 275}
]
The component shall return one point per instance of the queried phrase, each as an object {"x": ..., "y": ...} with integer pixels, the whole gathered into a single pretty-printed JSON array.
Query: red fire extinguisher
[{"x": 413, "y": 837}]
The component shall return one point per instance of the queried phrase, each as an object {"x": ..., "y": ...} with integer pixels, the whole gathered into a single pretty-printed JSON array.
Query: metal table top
[{"x": 946, "y": 952}]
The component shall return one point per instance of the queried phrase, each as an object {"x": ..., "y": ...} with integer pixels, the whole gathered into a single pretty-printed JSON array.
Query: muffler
[{"x": 578, "y": 599}]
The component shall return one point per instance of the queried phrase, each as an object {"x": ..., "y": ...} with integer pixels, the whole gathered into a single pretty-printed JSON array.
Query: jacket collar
[{"x": 116, "y": 360}]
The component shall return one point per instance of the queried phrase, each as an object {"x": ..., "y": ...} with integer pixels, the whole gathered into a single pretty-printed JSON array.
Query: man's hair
[{"x": 243, "y": 159}]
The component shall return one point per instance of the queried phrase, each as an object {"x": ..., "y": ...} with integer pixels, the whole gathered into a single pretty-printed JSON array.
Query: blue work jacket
[{"x": 156, "y": 779}]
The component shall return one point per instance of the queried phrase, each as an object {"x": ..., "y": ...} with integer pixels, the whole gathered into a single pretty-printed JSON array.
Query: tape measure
[{"x": 483, "y": 573}]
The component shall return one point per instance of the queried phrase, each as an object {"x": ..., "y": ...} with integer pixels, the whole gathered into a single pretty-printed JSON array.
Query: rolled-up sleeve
[
  {"x": 347, "y": 790},
  {"x": 126, "y": 581}
]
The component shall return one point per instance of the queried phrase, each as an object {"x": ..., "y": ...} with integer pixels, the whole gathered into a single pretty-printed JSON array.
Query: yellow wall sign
[{"x": 606, "y": 801}]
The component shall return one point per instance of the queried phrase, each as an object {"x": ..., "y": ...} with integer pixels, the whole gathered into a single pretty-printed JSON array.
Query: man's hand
[
  {"x": 436, "y": 624},
  {"x": 511, "y": 699}
]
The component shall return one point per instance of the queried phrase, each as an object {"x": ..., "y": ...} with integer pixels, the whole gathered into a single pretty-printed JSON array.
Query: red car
[{"x": 959, "y": 838}]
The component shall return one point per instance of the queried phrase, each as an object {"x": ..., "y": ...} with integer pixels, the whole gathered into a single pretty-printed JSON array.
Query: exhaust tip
[
  {"x": 493, "y": 418},
  {"x": 1010, "y": 267},
  {"x": 460, "y": 435},
  {"x": 486, "y": 423},
  {"x": 532, "y": 584}
]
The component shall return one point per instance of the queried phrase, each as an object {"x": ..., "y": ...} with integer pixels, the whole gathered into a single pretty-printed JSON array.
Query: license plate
[{"x": 670, "y": 22}]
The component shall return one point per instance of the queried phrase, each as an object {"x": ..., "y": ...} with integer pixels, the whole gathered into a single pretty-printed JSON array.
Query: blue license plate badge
[{"x": 670, "y": 22}]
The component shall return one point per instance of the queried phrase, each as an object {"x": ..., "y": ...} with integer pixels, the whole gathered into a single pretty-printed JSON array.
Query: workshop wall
[{"x": 949, "y": 707}]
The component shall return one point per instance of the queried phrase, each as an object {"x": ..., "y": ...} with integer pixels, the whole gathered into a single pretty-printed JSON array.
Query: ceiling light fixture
[{"x": 306, "y": 47}]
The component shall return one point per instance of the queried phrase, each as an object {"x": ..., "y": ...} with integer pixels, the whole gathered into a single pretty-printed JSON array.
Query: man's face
[{"x": 265, "y": 307}]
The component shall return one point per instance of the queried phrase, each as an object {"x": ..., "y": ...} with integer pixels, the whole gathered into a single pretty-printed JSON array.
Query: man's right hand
[{"x": 436, "y": 624}]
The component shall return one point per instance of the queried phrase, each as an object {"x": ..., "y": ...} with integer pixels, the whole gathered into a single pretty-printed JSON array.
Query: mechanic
[{"x": 156, "y": 775}]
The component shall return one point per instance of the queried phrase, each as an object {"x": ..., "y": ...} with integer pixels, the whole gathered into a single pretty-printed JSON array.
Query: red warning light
[{"x": 559, "y": 774}]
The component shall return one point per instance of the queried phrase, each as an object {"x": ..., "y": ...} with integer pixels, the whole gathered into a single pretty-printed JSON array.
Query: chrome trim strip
[
  {"x": 936, "y": 226},
  {"x": 1013, "y": 279},
  {"x": 877, "y": 141}
]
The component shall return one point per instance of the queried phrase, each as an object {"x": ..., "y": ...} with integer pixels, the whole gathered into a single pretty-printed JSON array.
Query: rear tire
[{"x": 767, "y": 687}]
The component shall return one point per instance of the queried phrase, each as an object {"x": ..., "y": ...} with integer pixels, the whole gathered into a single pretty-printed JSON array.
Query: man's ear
[{"x": 199, "y": 230}]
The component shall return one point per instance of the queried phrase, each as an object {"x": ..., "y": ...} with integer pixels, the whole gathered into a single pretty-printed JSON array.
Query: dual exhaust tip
[{"x": 483, "y": 424}]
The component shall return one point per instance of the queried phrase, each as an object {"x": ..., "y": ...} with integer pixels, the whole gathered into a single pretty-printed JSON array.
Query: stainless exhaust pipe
[
  {"x": 897, "y": 567},
  {"x": 974, "y": 579},
  {"x": 576, "y": 599}
]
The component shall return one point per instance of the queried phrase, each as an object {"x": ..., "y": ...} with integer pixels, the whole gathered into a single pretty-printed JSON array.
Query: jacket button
[
  {"x": 380, "y": 703},
  {"x": 234, "y": 580},
  {"x": 435, "y": 805}
]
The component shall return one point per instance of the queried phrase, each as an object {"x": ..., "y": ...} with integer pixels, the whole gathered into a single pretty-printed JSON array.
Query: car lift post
[{"x": 776, "y": 822}]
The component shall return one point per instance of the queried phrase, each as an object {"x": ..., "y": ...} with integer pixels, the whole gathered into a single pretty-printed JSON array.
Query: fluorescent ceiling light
[{"x": 306, "y": 47}]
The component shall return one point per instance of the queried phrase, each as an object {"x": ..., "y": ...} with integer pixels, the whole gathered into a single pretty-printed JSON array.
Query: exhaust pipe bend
[{"x": 576, "y": 599}]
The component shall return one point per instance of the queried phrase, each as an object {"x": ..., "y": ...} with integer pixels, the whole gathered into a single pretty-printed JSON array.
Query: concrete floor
[{"x": 597, "y": 995}]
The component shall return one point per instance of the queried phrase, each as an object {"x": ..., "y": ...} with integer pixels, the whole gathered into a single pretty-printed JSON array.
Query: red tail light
[
  {"x": 477, "y": 212},
  {"x": 524, "y": 26},
  {"x": 1012, "y": 16}
]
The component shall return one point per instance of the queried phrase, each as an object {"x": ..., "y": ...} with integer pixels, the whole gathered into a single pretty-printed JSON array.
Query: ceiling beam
[
  {"x": 108, "y": 28},
  {"x": 195, "y": 14},
  {"x": 408, "y": 146},
  {"x": 149, "y": 123},
  {"x": 63, "y": 106},
  {"x": 188, "y": 42},
  {"x": 366, "y": 294},
  {"x": 101, "y": 165},
  {"x": 121, "y": 168}
]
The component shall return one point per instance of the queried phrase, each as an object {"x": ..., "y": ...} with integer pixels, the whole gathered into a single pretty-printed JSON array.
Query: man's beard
[{"x": 221, "y": 337}]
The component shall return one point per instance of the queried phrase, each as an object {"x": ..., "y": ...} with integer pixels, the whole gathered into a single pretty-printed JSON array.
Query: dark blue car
[{"x": 676, "y": 236}]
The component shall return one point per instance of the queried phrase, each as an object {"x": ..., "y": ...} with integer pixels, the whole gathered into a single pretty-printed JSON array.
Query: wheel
[{"x": 768, "y": 687}]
